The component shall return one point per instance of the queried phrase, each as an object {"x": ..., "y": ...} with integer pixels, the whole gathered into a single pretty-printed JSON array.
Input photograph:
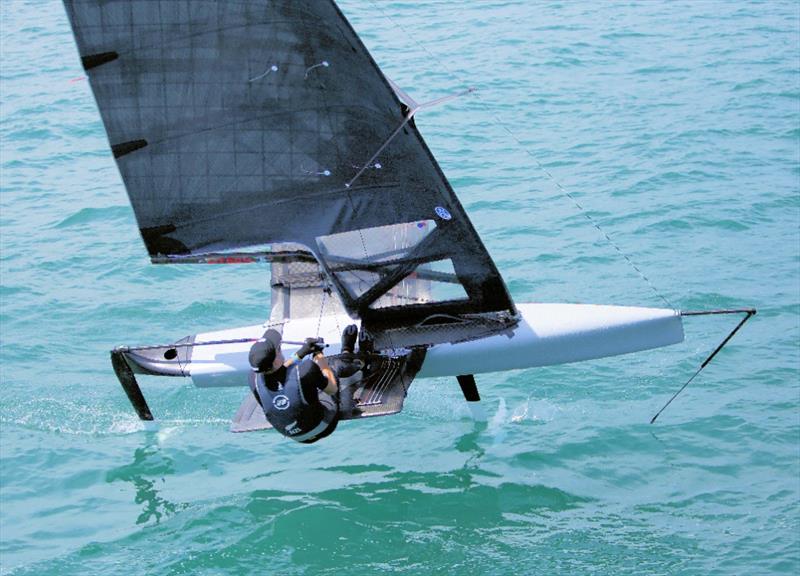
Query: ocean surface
[{"x": 675, "y": 126}]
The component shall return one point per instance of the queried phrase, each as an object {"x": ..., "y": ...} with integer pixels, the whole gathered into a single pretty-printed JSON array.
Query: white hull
[{"x": 547, "y": 334}]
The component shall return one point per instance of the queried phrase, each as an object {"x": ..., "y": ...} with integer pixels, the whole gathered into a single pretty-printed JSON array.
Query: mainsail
[{"x": 243, "y": 124}]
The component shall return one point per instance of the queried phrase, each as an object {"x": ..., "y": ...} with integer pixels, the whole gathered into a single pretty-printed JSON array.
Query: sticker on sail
[{"x": 442, "y": 213}]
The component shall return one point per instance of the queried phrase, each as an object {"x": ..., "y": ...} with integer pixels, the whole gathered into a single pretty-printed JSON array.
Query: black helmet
[{"x": 263, "y": 352}]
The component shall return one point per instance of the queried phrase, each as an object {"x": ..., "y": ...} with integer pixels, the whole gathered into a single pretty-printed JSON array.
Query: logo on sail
[{"x": 442, "y": 213}]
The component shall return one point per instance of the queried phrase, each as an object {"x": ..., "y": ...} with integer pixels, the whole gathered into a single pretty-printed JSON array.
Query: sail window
[
  {"x": 429, "y": 282},
  {"x": 357, "y": 282},
  {"x": 377, "y": 244},
  {"x": 361, "y": 259}
]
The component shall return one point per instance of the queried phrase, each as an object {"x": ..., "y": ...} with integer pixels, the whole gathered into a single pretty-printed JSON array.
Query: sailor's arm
[
  {"x": 310, "y": 346},
  {"x": 322, "y": 362}
]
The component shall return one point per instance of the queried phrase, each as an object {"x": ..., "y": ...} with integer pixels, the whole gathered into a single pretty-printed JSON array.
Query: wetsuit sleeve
[{"x": 312, "y": 378}]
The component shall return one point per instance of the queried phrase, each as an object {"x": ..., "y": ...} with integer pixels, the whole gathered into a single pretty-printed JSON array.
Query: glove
[{"x": 311, "y": 345}]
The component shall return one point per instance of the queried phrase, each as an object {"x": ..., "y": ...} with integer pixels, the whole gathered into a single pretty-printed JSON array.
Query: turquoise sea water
[{"x": 676, "y": 126}]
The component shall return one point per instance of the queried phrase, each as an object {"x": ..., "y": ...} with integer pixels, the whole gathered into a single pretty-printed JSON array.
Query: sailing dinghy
[{"x": 263, "y": 131}]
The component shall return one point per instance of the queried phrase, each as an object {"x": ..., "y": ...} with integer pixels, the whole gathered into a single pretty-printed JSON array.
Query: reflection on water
[
  {"x": 468, "y": 444},
  {"x": 149, "y": 466},
  {"x": 391, "y": 518}
]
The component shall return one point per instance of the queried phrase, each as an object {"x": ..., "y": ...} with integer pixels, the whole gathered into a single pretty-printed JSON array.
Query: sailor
[{"x": 299, "y": 395}]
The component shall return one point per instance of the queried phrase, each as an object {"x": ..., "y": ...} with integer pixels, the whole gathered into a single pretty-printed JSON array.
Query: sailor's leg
[
  {"x": 349, "y": 367},
  {"x": 348, "y": 374},
  {"x": 347, "y": 387},
  {"x": 331, "y": 415}
]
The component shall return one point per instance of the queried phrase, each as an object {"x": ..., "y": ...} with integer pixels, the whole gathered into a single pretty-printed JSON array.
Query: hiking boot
[
  {"x": 349, "y": 336},
  {"x": 365, "y": 343}
]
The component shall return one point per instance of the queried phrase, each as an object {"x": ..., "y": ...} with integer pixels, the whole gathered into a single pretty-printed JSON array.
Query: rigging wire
[
  {"x": 496, "y": 119},
  {"x": 749, "y": 313},
  {"x": 321, "y": 310}
]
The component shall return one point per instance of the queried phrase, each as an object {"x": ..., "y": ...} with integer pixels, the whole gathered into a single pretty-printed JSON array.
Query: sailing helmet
[{"x": 263, "y": 352}]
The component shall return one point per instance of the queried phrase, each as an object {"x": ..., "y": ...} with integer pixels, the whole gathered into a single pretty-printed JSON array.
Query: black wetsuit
[{"x": 294, "y": 403}]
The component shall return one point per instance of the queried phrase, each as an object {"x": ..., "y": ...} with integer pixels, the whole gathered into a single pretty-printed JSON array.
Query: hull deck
[{"x": 547, "y": 334}]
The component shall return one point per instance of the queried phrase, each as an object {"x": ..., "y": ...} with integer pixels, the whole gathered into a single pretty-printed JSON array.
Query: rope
[
  {"x": 321, "y": 309},
  {"x": 522, "y": 146}
]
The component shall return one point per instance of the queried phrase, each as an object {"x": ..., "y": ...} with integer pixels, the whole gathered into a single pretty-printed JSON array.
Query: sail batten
[{"x": 241, "y": 124}]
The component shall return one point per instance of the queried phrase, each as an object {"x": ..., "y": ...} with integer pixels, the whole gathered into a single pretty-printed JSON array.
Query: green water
[{"x": 676, "y": 126}]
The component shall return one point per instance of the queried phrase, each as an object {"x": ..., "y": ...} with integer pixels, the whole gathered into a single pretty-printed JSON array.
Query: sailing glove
[{"x": 311, "y": 345}]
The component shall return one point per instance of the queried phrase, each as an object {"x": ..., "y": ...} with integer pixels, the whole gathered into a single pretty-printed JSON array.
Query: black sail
[{"x": 245, "y": 123}]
